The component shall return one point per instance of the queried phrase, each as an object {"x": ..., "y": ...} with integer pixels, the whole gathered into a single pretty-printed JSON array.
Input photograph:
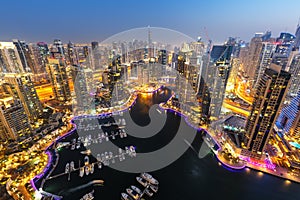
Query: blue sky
[{"x": 87, "y": 20}]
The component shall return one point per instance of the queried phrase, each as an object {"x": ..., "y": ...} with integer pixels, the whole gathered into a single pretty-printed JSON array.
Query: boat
[
  {"x": 72, "y": 167},
  {"x": 67, "y": 168},
  {"x": 86, "y": 160},
  {"x": 154, "y": 188},
  {"x": 125, "y": 196},
  {"x": 92, "y": 168},
  {"x": 148, "y": 192},
  {"x": 136, "y": 189},
  {"x": 99, "y": 165},
  {"x": 149, "y": 178},
  {"x": 81, "y": 171},
  {"x": 132, "y": 193},
  {"x": 142, "y": 181},
  {"x": 87, "y": 170},
  {"x": 132, "y": 151},
  {"x": 86, "y": 152},
  {"x": 98, "y": 157}
]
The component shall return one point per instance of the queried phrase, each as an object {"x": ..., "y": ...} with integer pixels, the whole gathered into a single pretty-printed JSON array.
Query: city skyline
[
  {"x": 44, "y": 21},
  {"x": 207, "y": 93}
]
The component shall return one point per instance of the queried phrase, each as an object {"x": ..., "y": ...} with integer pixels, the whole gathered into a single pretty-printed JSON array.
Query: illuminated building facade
[
  {"x": 10, "y": 61},
  {"x": 13, "y": 119},
  {"x": 25, "y": 91},
  {"x": 268, "y": 49},
  {"x": 270, "y": 93},
  {"x": 58, "y": 76},
  {"x": 289, "y": 118},
  {"x": 294, "y": 69}
]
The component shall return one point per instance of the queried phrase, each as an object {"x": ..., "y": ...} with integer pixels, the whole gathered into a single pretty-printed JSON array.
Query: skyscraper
[
  {"x": 57, "y": 50},
  {"x": 270, "y": 93},
  {"x": 295, "y": 71},
  {"x": 25, "y": 91},
  {"x": 268, "y": 49},
  {"x": 71, "y": 54},
  {"x": 252, "y": 61},
  {"x": 297, "y": 34},
  {"x": 80, "y": 78},
  {"x": 13, "y": 119},
  {"x": 216, "y": 76},
  {"x": 289, "y": 118},
  {"x": 10, "y": 61},
  {"x": 58, "y": 76}
]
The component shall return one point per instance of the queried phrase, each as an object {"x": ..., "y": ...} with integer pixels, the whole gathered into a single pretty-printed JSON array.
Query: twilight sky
[{"x": 87, "y": 20}]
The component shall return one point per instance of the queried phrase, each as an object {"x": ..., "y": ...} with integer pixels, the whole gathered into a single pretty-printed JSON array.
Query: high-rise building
[
  {"x": 289, "y": 118},
  {"x": 162, "y": 57},
  {"x": 56, "y": 69},
  {"x": 81, "y": 79},
  {"x": 22, "y": 49},
  {"x": 297, "y": 34},
  {"x": 253, "y": 57},
  {"x": 71, "y": 54},
  {"x": 268, "y": 49},
  {"x": 24, "y": 90},
  {"x": 14, "y": 122},
  {"x": 216, "y": 72},
  {"x": 218, "y": 87},
  {"x": 57, "y": 51},
  {"x": 269, "y": 97},
  {"x": 10, "y": 61},
  {"x": 95, "y": 45},
  {"x": 294, "y": 70}
]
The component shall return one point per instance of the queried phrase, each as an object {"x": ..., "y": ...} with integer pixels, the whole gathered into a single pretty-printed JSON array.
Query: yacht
[
  {"x": 136, "y": 189},
  {"x": 86, "y": 152},
  {"x": 86, "y": 160},
  {"x": 149, "y": 178},
  {"x": 142, "y": 181},
  {"x": 133, "y": 193},
  {"x": 72, "y": 167},
  {"x": 92, "y": 168},
  {"x": 154, "y": 188},
  {"x": 125, "y": 196},
  {"x": 67, "y": 168},
  {"x": 87, "y": 170},
  {"x": 148, "y": 192},
  {"x": 81, "y": 171}
]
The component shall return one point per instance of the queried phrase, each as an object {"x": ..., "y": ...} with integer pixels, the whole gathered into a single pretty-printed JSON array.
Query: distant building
[
  {"x": 270, "y": 94},
  {"x": 297, "y": 34},
  {"x": 56, "y": 69},
  {"x": 57, "y": 51},
  {"x": 253, "y": 58},
  {"x": 10, "y": 61}
]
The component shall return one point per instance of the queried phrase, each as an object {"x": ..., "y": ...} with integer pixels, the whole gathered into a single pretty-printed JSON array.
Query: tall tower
[
  {"x": 58, "y": 76},
  {"x": 10, "y": 61},
  {"x": 25, "y": 91},
  {"x": 13, "y": 119},
  {"x": 289, "y": 118},
  {"x": 57, "y": 50},
  {"x": 252, "y": 61},
  {"x": 295, "y": 71},
  {"x": 270, "y": 94},
  {"x": 297, "y": 34},
  {"x": 268, "y": 49}
]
